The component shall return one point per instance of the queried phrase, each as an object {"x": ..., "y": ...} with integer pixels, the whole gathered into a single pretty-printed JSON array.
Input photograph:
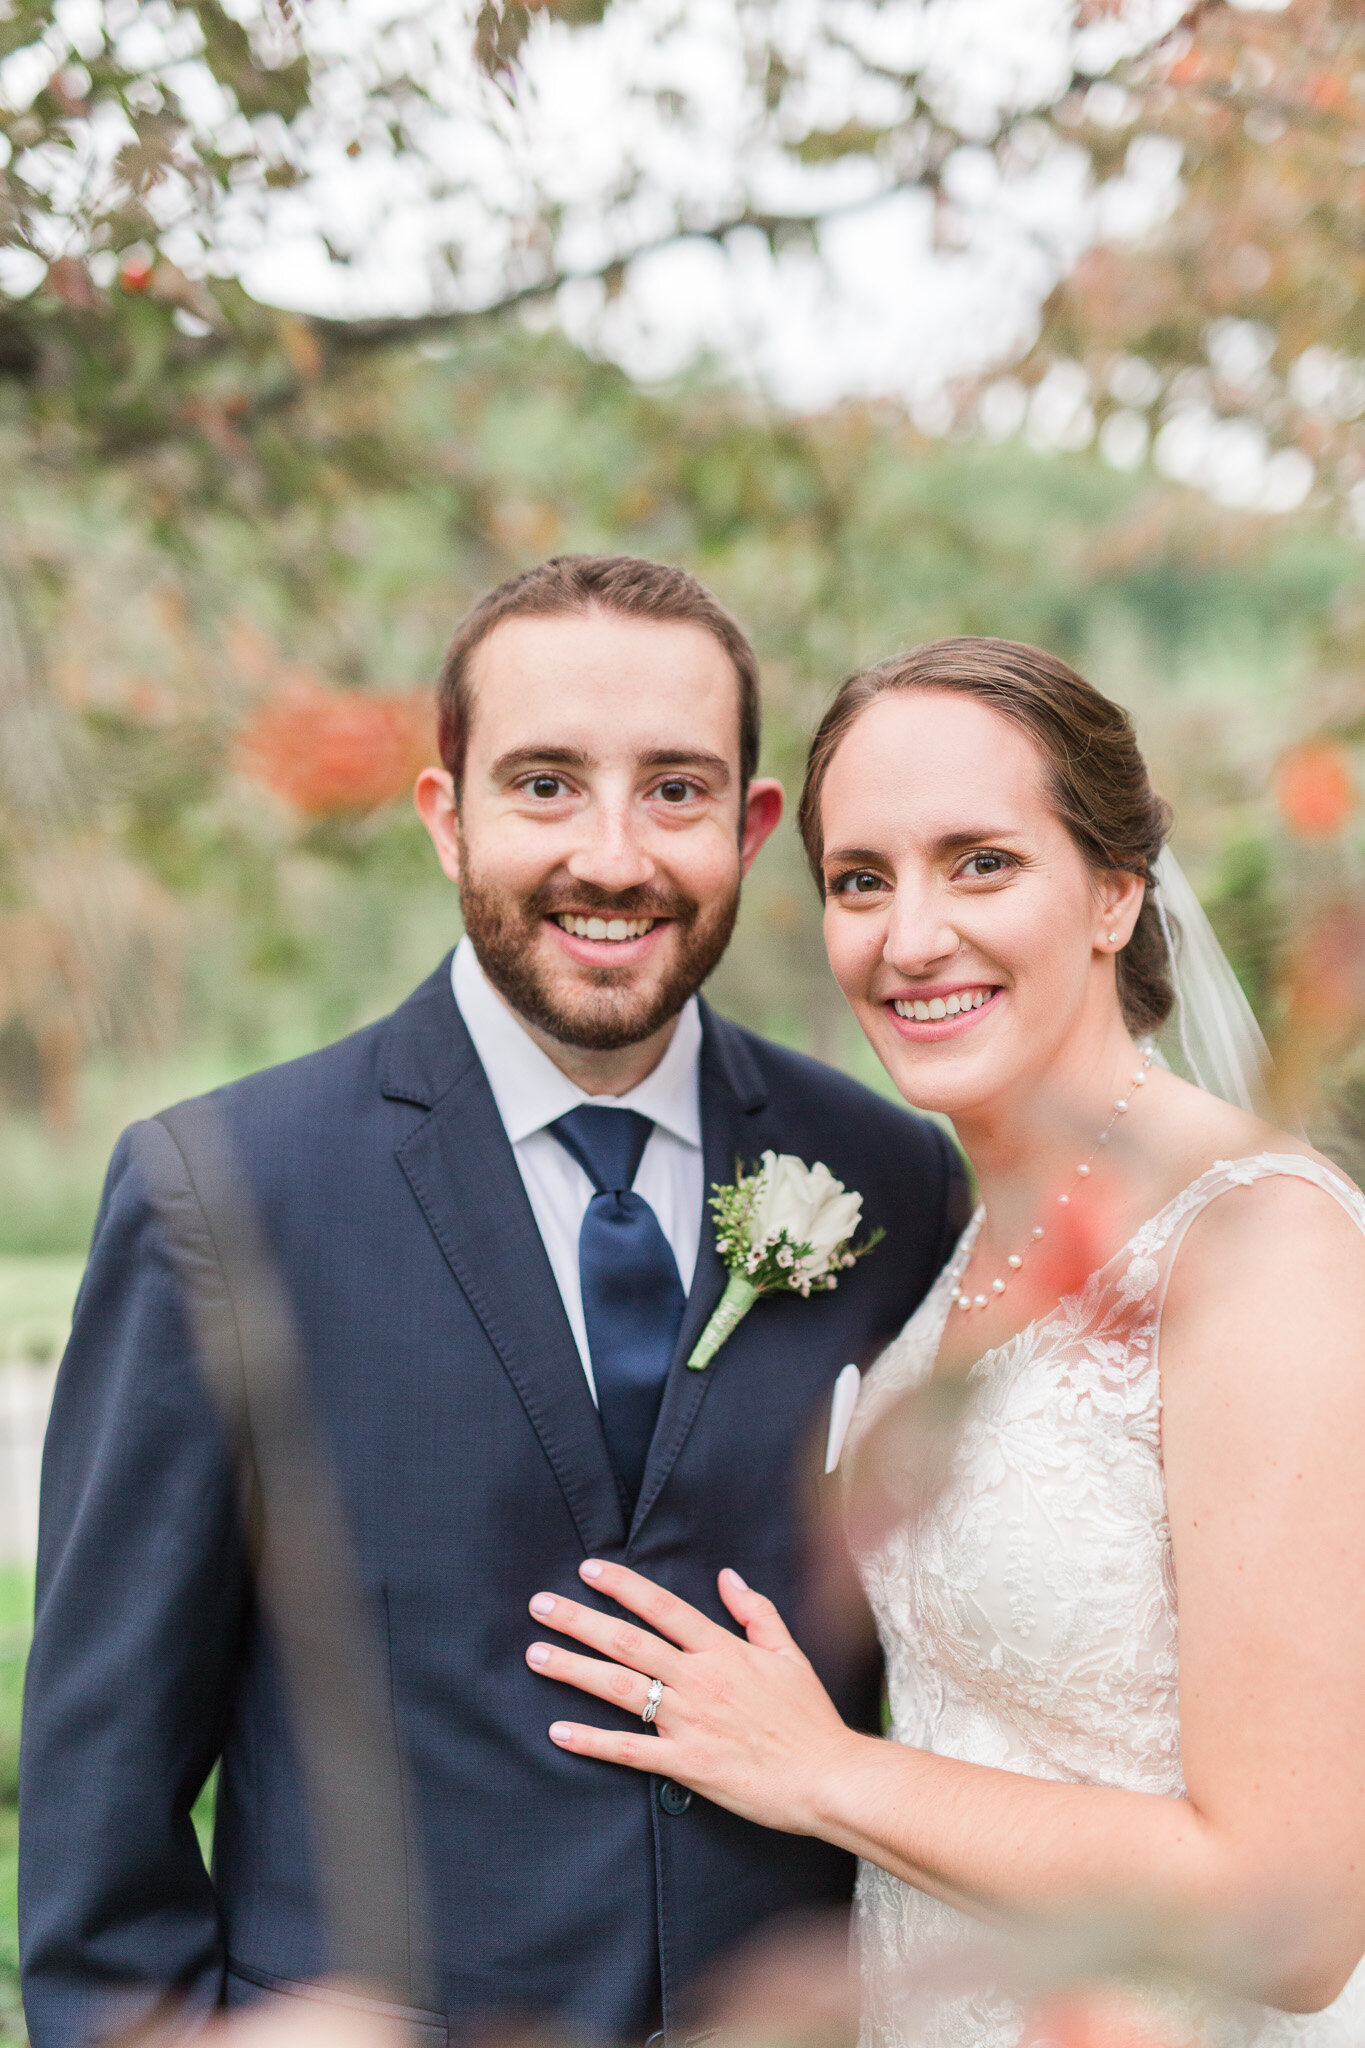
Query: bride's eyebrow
[
  {"x": 949, "y": 842},
  {"x": 853, "y": 857},
  {"x": 976, "y": 835}
]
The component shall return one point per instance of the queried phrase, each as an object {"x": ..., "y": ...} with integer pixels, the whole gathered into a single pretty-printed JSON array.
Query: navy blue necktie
[{"x": 632, "y": 1296}]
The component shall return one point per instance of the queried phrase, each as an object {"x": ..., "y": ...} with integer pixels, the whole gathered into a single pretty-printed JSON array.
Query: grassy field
[
  {"x": 16, "y": 1605},
  {"x": 36, "y": 1293},
  {"x": 35, "y": 1310}
]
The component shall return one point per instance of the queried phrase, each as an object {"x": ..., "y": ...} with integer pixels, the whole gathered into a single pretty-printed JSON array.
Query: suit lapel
[
  {"x": 460, "y": 1167},
  {"x": 734, "y": 1126}
]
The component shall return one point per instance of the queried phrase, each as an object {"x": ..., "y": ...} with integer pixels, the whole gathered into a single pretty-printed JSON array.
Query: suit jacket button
[{"x": 674, "y": 1798}]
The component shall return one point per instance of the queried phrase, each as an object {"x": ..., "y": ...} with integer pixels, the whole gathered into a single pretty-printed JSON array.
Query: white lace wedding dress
[{"x": 1029, "y": 1617}]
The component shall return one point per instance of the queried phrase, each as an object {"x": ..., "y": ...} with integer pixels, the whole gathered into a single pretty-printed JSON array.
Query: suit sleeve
[{"x": 142, "y": 1591}]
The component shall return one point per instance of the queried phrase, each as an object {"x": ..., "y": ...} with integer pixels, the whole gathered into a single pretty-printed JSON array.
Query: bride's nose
[{"x": 919, "y": 933}]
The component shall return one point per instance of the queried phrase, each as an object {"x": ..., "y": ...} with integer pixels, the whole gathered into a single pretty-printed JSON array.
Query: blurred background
[{"x": 890, "y": 318}]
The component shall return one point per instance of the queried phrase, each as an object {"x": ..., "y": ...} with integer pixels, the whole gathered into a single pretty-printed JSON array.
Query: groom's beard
[{"x": 597, "y": 1008}]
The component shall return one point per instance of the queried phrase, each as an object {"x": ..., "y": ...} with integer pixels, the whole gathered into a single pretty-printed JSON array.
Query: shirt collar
[{"x": 529, "y": 1089}]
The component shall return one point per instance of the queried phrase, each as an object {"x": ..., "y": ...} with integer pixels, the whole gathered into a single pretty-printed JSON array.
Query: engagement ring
[{"x": 651, "y": 1705}]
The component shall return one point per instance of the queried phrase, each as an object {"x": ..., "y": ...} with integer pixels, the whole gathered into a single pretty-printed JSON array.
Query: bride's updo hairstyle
[{"x": 1097, "y": 778}]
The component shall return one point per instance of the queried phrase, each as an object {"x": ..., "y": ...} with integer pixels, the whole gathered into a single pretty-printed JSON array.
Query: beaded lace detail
[{"x": 1028, "y": 1619}]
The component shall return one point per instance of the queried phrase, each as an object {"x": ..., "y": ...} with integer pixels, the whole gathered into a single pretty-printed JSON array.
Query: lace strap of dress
[{"x": 1168, "y": 1226}]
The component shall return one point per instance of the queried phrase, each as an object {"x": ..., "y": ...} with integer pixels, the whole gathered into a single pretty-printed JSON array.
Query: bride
[{"x": 1125, "y": 1635}]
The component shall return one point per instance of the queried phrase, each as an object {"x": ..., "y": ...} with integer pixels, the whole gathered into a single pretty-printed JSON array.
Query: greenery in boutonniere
[{"x": 784, "y": 1229}]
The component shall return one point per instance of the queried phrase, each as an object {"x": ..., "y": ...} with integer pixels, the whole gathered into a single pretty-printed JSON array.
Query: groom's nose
[{"x": 609, "y": 853}]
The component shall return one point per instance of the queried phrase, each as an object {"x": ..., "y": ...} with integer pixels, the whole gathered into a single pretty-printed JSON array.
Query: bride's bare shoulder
[
  {"x": 1272, "y": 1241},
  {"x": 1263, "y": 1232},
  {"x": 1200, "y": 1131}
]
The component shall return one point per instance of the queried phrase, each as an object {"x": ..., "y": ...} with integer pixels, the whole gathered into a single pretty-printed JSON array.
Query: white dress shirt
[{"x": 530, "y": 1092}]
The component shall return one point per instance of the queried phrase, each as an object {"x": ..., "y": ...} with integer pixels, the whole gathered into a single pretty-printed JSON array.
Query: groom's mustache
[{"x": 583, "y": 900}]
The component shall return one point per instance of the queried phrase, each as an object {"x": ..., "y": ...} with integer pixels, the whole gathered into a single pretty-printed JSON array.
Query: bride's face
[{"x": 963, "y": 924}]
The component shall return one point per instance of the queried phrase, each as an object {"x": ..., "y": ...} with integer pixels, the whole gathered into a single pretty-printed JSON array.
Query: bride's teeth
[{"x": 941, "y": 1006}]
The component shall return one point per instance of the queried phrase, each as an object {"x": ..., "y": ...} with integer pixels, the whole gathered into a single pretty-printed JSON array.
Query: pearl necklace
[{"x": 1015, "y": 1260}]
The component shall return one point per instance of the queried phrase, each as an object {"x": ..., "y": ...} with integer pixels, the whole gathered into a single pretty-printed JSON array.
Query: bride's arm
[{"x": 1263, "y": 1373}]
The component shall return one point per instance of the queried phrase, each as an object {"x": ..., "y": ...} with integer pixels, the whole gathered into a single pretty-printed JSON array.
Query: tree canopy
[{"x": 234, "y": 536}]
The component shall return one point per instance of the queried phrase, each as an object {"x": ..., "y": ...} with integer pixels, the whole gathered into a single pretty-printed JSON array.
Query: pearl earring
[{"x": 1113, "y": 938}]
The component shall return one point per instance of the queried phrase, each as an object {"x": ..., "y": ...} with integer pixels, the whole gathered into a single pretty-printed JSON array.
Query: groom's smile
[
  {"x": 598, "y": 939},
  {"x": 601, "y": 828}
]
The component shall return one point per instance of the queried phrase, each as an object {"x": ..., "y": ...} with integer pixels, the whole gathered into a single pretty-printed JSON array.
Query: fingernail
[
  {"x": 543, "y": 1603},
  {"x": 732, "y": 1575},
  {"x": 560, "y": 1731},
  {"x": 538, "y": 1654},
  {"x": 591, "y": 1570}
]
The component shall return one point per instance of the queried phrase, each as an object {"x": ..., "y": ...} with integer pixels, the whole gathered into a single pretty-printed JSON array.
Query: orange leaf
[
  {"x": 329, "y": 751},
  {"x": 1316, "y": 790}
]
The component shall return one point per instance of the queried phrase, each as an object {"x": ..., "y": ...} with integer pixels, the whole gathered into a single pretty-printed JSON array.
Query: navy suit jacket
[{"x": 471, "y": 1471}]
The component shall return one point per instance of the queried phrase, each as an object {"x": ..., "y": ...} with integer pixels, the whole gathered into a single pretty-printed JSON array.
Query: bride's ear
[{"x": 1119, "y": 901}]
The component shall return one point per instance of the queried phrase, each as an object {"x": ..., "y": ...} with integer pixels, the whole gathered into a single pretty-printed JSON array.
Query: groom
[{"x": 489, "y": 1216}]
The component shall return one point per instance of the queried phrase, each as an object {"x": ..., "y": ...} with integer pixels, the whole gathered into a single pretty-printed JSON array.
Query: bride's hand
[{"x": 744, "y": 1722}]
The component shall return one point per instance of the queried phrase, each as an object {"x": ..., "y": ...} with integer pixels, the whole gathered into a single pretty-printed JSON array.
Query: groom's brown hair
[
  {"x": 1097, "y": 777},
  {"x": 569, "y": 585}
]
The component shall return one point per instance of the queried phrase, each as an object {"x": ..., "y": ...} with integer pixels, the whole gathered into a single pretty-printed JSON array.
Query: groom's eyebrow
[
  {"x": 714, "y": 765},
  {"x": 519, "y": 759}
]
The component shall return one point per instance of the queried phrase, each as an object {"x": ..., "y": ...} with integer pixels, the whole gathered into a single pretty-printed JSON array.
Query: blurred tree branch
[
  {"x": 150, "y": 144},
  {"x": 147, "y": 148},
  {"x": 1245, "y": 306}
]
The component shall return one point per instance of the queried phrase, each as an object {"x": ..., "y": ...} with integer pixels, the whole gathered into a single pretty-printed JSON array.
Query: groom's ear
[
  {"x": 762, "y": 810},
  {"x": 434, "y": 797}
]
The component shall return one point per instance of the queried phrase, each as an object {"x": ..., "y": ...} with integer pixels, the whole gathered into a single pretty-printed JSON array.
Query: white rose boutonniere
[{"x": 784, "y": 1229}]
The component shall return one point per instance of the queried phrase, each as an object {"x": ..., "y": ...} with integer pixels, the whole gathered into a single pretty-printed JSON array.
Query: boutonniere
[{"x": 784, "y": 1229}]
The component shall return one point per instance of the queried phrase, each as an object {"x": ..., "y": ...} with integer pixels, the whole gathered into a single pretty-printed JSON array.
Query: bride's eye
[
  {"x": 857, "y": 882},
  {"x": 986, "y": 865}
]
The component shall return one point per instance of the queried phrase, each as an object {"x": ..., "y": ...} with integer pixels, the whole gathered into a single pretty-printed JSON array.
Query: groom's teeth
[{"x": 616, "y": 928}]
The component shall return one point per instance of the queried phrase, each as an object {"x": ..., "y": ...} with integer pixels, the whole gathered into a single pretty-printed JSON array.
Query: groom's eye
[
  {"x": 675, "y": 790},
  {"x": 546, "y": 787}
]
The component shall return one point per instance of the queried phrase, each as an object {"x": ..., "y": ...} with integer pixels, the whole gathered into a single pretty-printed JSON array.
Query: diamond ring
[{"x": 651, "y": 1705}]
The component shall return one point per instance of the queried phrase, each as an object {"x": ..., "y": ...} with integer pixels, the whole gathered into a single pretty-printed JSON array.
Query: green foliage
[{"x": 16, "y": 1615}]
